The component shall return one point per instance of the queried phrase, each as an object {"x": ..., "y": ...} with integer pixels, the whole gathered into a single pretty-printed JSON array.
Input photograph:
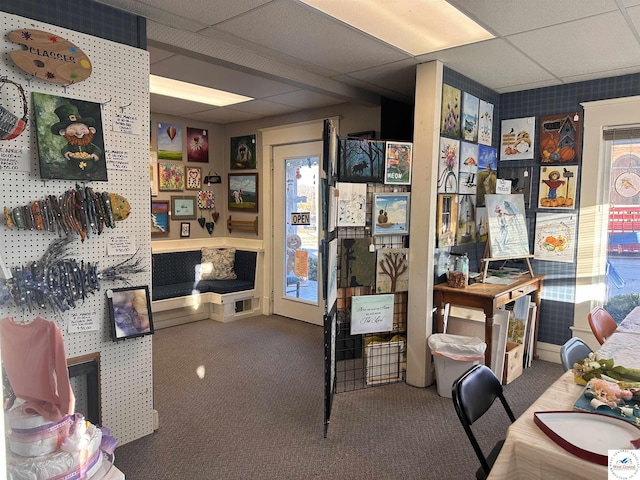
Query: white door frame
[{"x": 271, "y": 137}]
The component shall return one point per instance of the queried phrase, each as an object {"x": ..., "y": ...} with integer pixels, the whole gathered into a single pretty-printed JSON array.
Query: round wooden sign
[{"x": 49, "y": 57}]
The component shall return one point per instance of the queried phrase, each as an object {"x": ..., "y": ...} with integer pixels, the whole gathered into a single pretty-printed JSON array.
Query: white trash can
[{"x": 454, "y": 355}]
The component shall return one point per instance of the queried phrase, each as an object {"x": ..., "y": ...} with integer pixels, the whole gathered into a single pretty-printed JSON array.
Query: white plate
[{"x": 588, "y": 435}]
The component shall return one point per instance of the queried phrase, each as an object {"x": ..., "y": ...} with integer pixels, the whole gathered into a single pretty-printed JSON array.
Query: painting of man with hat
[{"x": 70, "y": 142}]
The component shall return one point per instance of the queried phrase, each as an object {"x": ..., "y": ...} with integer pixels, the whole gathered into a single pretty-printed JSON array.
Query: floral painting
[
  {"x": 169, "y": 141},
  {"x": 450, "y": 117},
  {"x": 448, "y": 165},
  {"x": 170, "y": 176},
  {"x": 70, "y": 141},
  {"x": 197, "y": 145}
]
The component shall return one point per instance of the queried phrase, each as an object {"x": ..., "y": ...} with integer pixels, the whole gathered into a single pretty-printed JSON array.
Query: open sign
[{"x": 301, "y": 218}]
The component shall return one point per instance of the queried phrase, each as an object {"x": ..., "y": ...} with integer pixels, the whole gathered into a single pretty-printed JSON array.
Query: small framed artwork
[
  {"x": 243, "y": 152},
  {"x": 159, "y": 217},
  {"x": 361, "y": 161},
  {"x": 185, "y": 230},
  {"x": 153, "y": 173},
  {"x": 391, "y": 214},
  {"x": 169, "y": 141},
  {"x": 197, "y": 145},
  {"x": 170, "y": 177},
  {"x": 130, "y": 312},
  {"x": 398, "y": 160},
  {"x": 243, "y": 192},
  {"x": 193, "y": 178},
  {"x": 183, "y": 208}
]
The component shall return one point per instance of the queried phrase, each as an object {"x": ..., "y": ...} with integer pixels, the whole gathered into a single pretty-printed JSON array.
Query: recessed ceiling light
[
  {"x": 415, "y": 26},
  {"x": 194, "y": 93}
]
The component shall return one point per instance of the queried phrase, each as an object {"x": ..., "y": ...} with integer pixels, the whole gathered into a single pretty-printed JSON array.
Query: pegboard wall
[{"x": 119, "y": 82}]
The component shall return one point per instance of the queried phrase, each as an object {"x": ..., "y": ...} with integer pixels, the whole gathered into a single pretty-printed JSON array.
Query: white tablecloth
[{"x": 528, "y": 453}]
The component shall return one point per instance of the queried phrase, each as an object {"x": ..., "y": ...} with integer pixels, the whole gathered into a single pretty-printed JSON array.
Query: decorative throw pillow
[{"x": 217, "y": 264}]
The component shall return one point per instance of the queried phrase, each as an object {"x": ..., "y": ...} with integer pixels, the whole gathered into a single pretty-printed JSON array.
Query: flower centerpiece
[{"x": 595, "y": 367}]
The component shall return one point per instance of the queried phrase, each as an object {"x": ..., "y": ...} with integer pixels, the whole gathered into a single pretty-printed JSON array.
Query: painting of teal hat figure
[{"x": 70, "y": 141}]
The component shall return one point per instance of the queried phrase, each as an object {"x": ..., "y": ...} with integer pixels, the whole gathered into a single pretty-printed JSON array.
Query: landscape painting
[
  {"x": 361, "y": 161},
  {"x": 169, "y": 141},
  {"x": 243, "y": 192},
  {"x": 469, "y": 123},
  {"x": 392, "y": 272}
]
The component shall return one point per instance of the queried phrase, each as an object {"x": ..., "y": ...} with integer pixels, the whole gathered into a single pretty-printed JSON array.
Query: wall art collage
[{"x": 467, "y": 167}]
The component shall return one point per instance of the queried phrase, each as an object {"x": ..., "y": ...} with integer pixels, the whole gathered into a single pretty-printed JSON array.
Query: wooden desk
[{"x": 488, "y": 297}]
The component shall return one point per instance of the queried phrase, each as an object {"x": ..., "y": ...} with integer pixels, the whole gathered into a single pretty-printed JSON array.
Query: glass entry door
[{"x": 298, "y": 232}]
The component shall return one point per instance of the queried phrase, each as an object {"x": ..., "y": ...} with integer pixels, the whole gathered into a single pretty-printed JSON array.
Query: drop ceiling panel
[
  {"x": 157, "y": 54},
  {"x": 577, "y": 48},
  {"x": 634, "y": 14},
  {"x": 175, "y": 106},
  {"x": 199, "y": 72},
  {"x": 223, "y": 116},
  {"x": 309, "y": 35},
  {"x": 205, "y": 11},
  {"x": 183, "y": 20},
  {"x": 262, "y": 108},
  {"x": 304, "y": 99},
  {"x": 513, "y": 16},
  {"x": 493, "y": 63},
  {"x": 527, "y": 86},
  {"x": 597, "y": 75}
]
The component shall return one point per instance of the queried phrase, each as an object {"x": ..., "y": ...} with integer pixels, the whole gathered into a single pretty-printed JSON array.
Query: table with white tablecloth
[{"x": 528, "y": 453}]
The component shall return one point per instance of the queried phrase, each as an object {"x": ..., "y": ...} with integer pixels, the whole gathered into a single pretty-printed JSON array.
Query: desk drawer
[{"x": 522, "y": 291}]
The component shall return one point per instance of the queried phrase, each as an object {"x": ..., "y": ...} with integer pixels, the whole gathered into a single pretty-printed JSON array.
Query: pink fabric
[{"x": 36, "y": 364}]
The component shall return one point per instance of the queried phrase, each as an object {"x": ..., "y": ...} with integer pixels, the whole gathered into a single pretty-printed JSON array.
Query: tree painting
[
  {"x": 361, "y": 161},
  {"x": 392, "y": 273}
]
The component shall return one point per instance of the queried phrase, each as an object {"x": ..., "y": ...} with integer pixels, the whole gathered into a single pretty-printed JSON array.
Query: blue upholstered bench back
[
  {"x": 175, "y": 274},
  {"x": 175, "y": 267}
]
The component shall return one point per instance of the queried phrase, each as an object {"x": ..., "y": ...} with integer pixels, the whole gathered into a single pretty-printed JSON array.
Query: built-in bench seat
[{"x": 176, "y": 286}]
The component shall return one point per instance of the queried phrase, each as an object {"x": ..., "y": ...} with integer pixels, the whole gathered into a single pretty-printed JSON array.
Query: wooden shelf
[{"x": 250, "y": 225}]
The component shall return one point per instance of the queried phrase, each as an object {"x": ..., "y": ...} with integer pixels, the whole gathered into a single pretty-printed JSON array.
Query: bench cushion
[
  {"x": 161, "y": 292},
  {"x": 223, "y": 286}
]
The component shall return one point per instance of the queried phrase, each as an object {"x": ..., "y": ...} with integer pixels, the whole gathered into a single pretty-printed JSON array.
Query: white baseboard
[
  {"x": 156, "y": 420},
  {"x": 548, "y": 352}
]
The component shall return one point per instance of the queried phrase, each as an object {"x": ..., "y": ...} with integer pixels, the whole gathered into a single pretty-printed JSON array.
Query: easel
[{"x": 487, "y": 258}]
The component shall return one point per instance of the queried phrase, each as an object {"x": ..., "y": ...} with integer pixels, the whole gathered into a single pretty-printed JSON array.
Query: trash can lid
[{"x": 457, "y": 347}]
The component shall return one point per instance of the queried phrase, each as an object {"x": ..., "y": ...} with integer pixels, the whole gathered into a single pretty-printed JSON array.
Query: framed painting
[
  {"x": 558, "y": 187},
  {"x": 357, "y": 263},
  {"x": 397, "y": 165},
  {"x": 516, "y": 138},
  {"x": 391, "y": 214},
  {"x": 485, "y": 123},
  {"x": 466, "y": 228},
  {"x": 153, "y": 173},
  {"x": 197, "y": 145},
  {"x": 448, "y": 165},
  {"x": 170, "y": 177},
  {"x": 487, "y": 173},
  {"x": 468, "y": 168},
  {"x": 185, "y": 230},
  {"x": 129, "y": 312},
  {"x": 392, "y": 272},
  {"x": 447, "y": 219},
  {"x": 560, "y": 138},
  {"x": 555, "y": 235},
  {"x": 160, "y": 217},
  {"x": 193, "y": 178},
  {"x": 62, "y": 153},
  {"x": 507, "y": 226},
  {"x": 243, "y": 192},
  {"x": 243, "y": 152},
  {"x": 450, "y": 116},
  {"x": 469, "y": 121},
  {"x": 361, "y": 161},
  {"x": 169, "y": 142},
  {"x": 183, "y": 208}
]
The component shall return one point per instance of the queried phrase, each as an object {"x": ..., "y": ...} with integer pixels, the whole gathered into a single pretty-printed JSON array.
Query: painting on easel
[{"x": 507, "y": 226}]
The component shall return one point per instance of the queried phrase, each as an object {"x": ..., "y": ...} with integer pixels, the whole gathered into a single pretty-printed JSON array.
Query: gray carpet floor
[{"x": 244, "y": 400}]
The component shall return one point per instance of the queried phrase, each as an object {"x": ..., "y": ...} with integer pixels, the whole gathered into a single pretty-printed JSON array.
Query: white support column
[{"x": 423, "y": 221}]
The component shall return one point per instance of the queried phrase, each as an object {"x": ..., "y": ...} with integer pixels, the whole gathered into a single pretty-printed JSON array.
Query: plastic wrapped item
[{"x": 457, "y": 347}]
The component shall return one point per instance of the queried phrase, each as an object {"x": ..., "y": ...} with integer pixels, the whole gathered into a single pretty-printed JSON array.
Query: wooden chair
[
  {"x": 602, "y": 324},
  {"x": 473, "y": 394},
  {"x": 573, "y": 350}
]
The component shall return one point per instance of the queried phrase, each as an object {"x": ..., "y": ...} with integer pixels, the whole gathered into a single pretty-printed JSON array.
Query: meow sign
[{"x": 49, "y": 57}]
